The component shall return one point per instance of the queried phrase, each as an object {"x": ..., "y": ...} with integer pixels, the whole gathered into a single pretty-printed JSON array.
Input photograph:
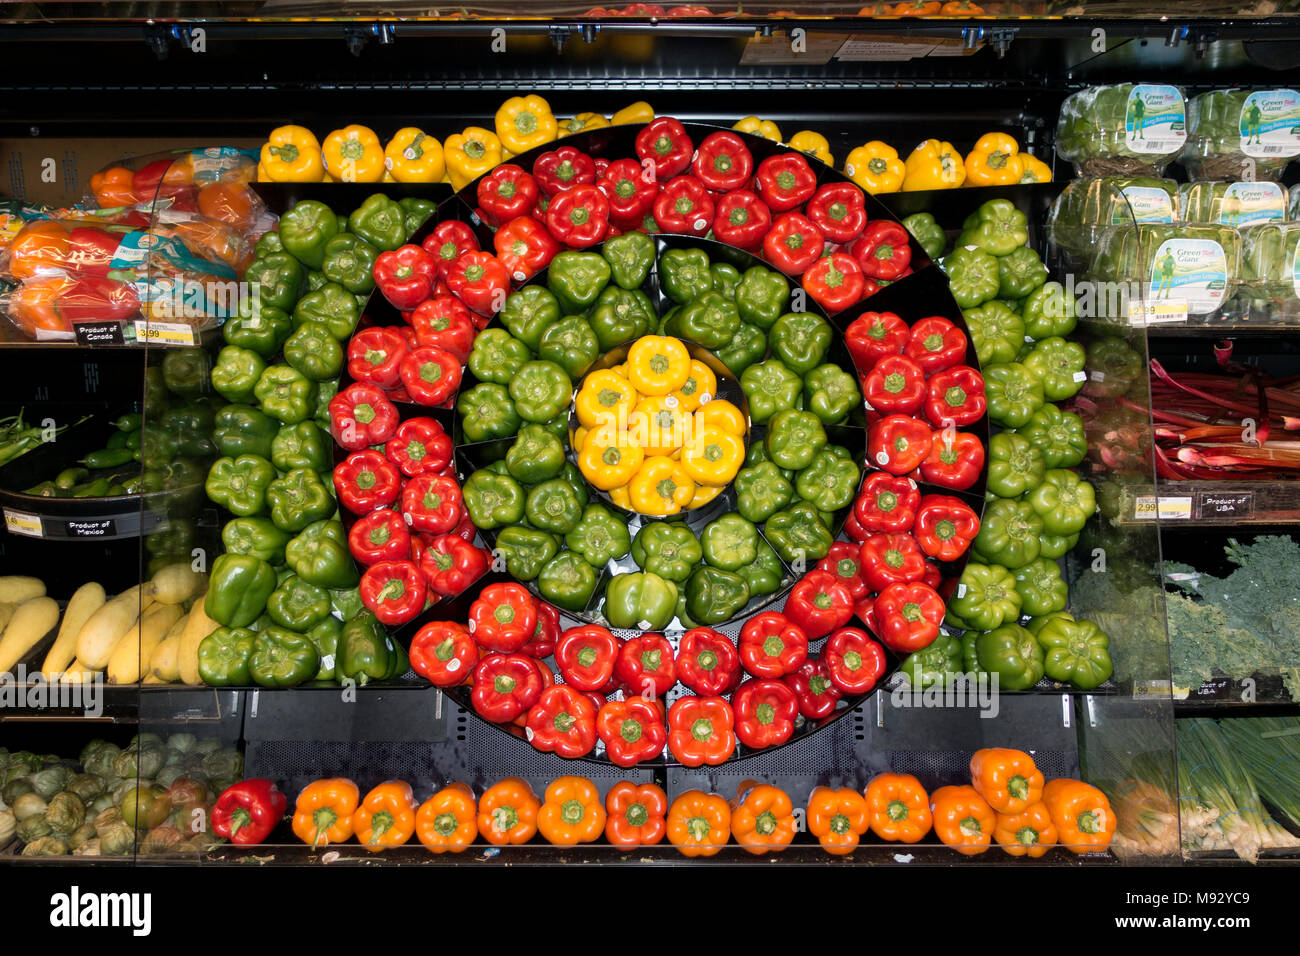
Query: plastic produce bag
[
  {"x": 1248, "y": 134},
  {"x": 1270, "y": 270},
  {"x": 1130, "y": 129},
  {"x": 1088, "y": 207},
  {"x": 1233, "y": 204},
  {"x": 1192, "y": 264}
]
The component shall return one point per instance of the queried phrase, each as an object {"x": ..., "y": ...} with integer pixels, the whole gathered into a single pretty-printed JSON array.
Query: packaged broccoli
[
  {"x": 1232, "y": 204},
  {"x": 1196, "y": 264},
  {"x": 1242, "y": 134},
  {"x": 1129, "y": 129},
  {"x": 1087, "y": 207},
  {"x": 1270, "y": 268}
]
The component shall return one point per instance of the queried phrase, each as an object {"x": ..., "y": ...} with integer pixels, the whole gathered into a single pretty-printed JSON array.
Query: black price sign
[
  {"x": 1225, "y": 504},
  {"x": 90, "y": 528},
  {"x": 98, "y": 333},
  {"x": 1216, "y": 688}
]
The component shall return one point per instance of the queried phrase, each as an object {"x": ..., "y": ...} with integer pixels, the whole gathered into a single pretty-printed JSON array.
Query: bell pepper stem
[
  {"x": 572, "y": 812},
  {"x": 897, "y": 810},
  {"x": 698, "y": 828},
  {"x": 637, "y": 814},
  {"x": 445, "y": 824},
  {"x": 380, "y": 824}
]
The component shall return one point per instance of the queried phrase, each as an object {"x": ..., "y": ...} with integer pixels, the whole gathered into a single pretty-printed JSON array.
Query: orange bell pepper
[
  {"x": 917, "y": 8},
  {"x": 572, "y": 812},
  {"x": 1007, "y": 779},
  {"x": 961, "y": 8},
  {"x": 445, "y": 823},
  {"x": 1030, "y": 832},
  {"x": 762, "y": 818},
  {"x": 323, "y": 813},
  {"x": 995, "y": 161},
  {"x": 386, "y": 817},
  {"x": 112, "y": 187},
  {"x": 41, "y": 246},
  {"x": 507, "y": 812},
  {"x": 635, "y": 814},
  {"x": 837, "y": 818},
  {"x": 34, "y": 306},
  {"x": 1082, "y": 815},
  {"x": 227, "y": 202},
  {"x": 963, "y": 820},
  {"x": 699, "y": 823},
  {"x": 899, "y": 807}
]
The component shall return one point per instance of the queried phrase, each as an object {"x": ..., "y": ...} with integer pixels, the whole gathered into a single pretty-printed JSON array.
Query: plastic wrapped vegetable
[
  {"x": 87, "y": 786},
  {"x": 14, "y": 789},
  {"x": 223, "y": 763},
  {"x": 1270, "y": 269},
  {"x": 1088, "y": 207},
  {"x": 1232, "y": 204},
  {"x": 1127, "y": 129},
  {"x": 46, "y": 846},
  {"x": 65, "y": 813},
  {"x": 8, "y": 823},
  {"x": 81, "y": 836},
  {"x": 1192, "y": 264},
  {"x": 101, "y": 761},
  {"x": 33, "y": 828},
  {"x": 1242, "y": 134},
  {"x": 116, "y": 840},
  {"x": 89, "y": 848}
]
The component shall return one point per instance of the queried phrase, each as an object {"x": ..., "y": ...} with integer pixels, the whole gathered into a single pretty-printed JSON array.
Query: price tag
[
  {"x": 98, "y": 333},
  {"x": 1168, "y": 508},
  {"x": 19, "y": 522},
  {"x": 1158, "y": 312},
  {"x": 164, "y": 333}
]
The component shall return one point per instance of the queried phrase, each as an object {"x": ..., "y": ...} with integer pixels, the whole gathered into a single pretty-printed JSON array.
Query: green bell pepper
[
  {"x": 298, "y": 605},
  {"x": 536, "y": 455},
  {"x": 600, "y": 537},
  {"x": 570, "y": 343},
  {"x": 927, "y": 232},
  {"x": 540, "y": 390},
  {"x": 641, "y": 600},
  {"x": 684, "y": 274},
  {"x": 415, "y": 213},
  {"x": 1011, "y": 653},
  {"x": 996, "y": 331},
  {"x": 325, "y": 636},
  {"x": 829, "y": 482},
  {"x": 333, "y": 307},
  {"x": 972, "y": 276},
  {"x": 714, "y": 595},
  {"x": 631, "y": 256},
  {"x": 314, "y": 352},
  {"x": 286, "y": 394},
  {"x": 189, "y": 427},
  {"x": 224, "y": 656},
  {"x": 255, "y": 537},
  {"x": 243, "y": 430},
  {"x": 283, "y": 658},
  {"x": 185, "y": 372},
  {"x": 239, "y": 484},
  {"x": 486, "y": 412},
  {"x": 236, "y": 373},
  {"x": 1041, "y": 588},
  {"x": 761, "y": 491},
  {"x": 1064, "y": 501},
  {"x": 319, "y": 555},
  {"x": 1014, "y": 393},
  {"x": 757, "y": 454},
  {"x": 684, "y": 618},
  {"x": 262, "y": 330},
  {"x": 1056, "y": 545},
  {"x": 794, "y": 438},
  {"x": 762, "y": 296},
  {"x": 269, "y": 244},
  {"x": 316, "y": 280},
  {"x": 1015, "y": 465},
  {"x": 380, "y": 221},
  {"x": 729, "y": 542},
  {"x": 1048, "y": 311},
  {"x": 709, "y": 320},
  {"x": 493, "y": 500},
  {"x": 831, "y": 393},
  {"x": 279, "y": 280},
  {"x": 769, "y": 388},
  {"x": 528, "y": 313},
  {"x": 1008, "y": 534},
  {"x": 567, "y": 581},
  {"x": 305, "y": 229},
  {"x": 801, "y": 340},
  {"x": 668, "y": 549},
  {"x": 238, "y": 589},
  {"x": 937, "y": 663},
  {"x": 299, "y": 498},
  {"x": 1074, "y": 652},
  {"x": 996, "y": 227},
  {"x": 986, "y": 597},
  {"x": 765, "y": 573},
  {"x": 746, "y": 347},
  {"x": 304, "y": 445},
  {"x": 497, "y": 356},
  {"x": 620, "y": 316},
  {"x": 365, "y": 652},
  {"x": 1058, "y": 365},
  {"x": 350, "y": 261},
  {"x": 726, "y": 279},
  {"x": 555, "y": 506},
  {"x": 525, "y": 550},
  {"x": 798, "y": 534},
  {"x": 325, "y": 392},
  {"x": 1020, "y": 273},
  {"x": 577, "y": 279}
]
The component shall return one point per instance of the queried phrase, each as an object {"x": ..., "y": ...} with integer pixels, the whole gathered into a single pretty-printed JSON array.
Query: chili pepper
[
  {"x": 505, "y": 686},
  {"x": 898, "y": 444},
  {"x": 908, "y": 616},
  {"x": 1075, "y": 652},
  {"x": 246, "y": 812},
  {"x": 507, "y": 813},
  {"x": 895, "y": 386},
  {"x": 765, "y": 712},
  {"x": 873, "y": 336},
  {"x": 945, "y": 527},
  {"x": 684, "y": 207},
  {"x": 394, "y": 591},
  {"x": 812, "y": 686},
  {"x": 362, "y": 415},
  {"x": 420, "y": 446},
  {"x": 666, "y": 145},
  {"x": 323, "y": 812},
  {"x": 480, "y": 280},
  {"x": 380, "y": 535},
  {"x": 793, "y": 243},
  {"x": 586, "y": 657},
  {"x": 701, "y": 731},
  {"x": 699, "y": 824},
  {"x": 633, "y": 730},
  {"x": 962, "y": 819},
  {"x": 579, "y": 217},
  {"x": 899, "y": 807},
  {"x": 762, "y": 818},
  {"x": 837, "y": 818},
  {"x": 798, "y": 533},
  {"x": 854, "y": 662},
  {"x": 635, "y": 814}
]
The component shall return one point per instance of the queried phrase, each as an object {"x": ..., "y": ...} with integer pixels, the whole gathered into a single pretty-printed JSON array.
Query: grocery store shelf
[
  {"x": 1261, "y": 695},
  {"x": 96, "y": 335},
  {"x": 1212, "y": 504}
]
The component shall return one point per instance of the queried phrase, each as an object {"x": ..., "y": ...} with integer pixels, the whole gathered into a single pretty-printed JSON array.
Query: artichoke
[{"x": 66, "y": 812}]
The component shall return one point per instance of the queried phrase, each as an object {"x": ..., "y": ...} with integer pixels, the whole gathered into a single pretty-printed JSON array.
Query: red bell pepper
[
  {"x": 834, "y": 282},
  {"x": 432, "y": 503},
  {"x": 932, "y": 575},
  {"x": 854, "y": 662},
  {"x": 645, "y": 666},
  {"x": 853, "y": 528},
  {"x": 630, "y": 190},
  {"x": 793, "y": 243},
  {"x": 839, "y": 211},
  {"x": 785, "y": 181},
  {"x": 874, "y": 335},
  {"x": 707, "y": 662},
  {"x": 562, "y": 169},
  {"x": 865, "y": 611},
  {"x": 443, "y": 653},
  {"x": 633, "y": 730},
  {"x": 420, "y": 446},
  {"x": 481, "y": 281},
  {"x": 365, "y": 481},
  {"x": 723, "y": 162},
  {"x": 247, "y": 811},
  {"x": 684, "y": 207},
  {"x": 361, "y": 415},
  {"x": 466, "y": 528},
  {"x": 908, "y": 616},
  {"x": 451, "y": 564},
  {"x": 586, "y": 656},
  {"x": 936, "y": 344},
  {"x": 579, "y": 217},
  {"x": 545, "y": 635},
  {"x": 375, "y": 356},
  {"x": 945, "y": 527},
  {"x": 563, "y": 721},
  {"x": 405, "y": 276},
  {"x": 741, "y": 219},
  {"x": 886, "y": 503},
  {"x": 898, "y": 443},
  {"x": 664, "y": 142},
  {"x": 525, "y": 247},
  {"x": 772, "y": 644},
  {"x": 895, "y": 386},
  {"x": 394, "y": 591},
  {"x": 883, "y": 250},
  {"x": 891, "y": 559},
  {"x": 506, "y": 193},
  {"x": 503, "y": 617},
  {"x": 812, "y": 686},
  {"x": 418, "y": 548},
  {"x": 956, "y": 397},
  {"x": 818, "y": 604},
  {"x": 701, "y": 730},
  {"x": 844, "y": 561},
  {"x": 505, "y": 686},
  {"x": 448, "y": 242},
  {"x": 446, "y": 323},
  {"x": 765, "y": 712},
  {"x": 540, "y": 208},
  {"x": 430, "y": 375},
  {"x": 379, "y": 536}
]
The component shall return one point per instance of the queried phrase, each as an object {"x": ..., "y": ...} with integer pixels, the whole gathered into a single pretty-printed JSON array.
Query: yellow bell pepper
[
  {"x": 875, "y": 167},
  {"x": 471, "y": 153},
  {"x": 577, "y": 437},
  {"x": 413, "y": 156},
  {"x": 620, "y": 370},
  {"x": 638, "y": 112},
  {"x": 605, "y": 398},
  {"x": 524, "y": 122},
  {"x": 812, "y": 144},
  {"x": 700, "y": 382},
  {"x": 704, "y": 494},
  {"x": 609, "y": 458},
  {"x": 620, "y": 497},
  {"x": 661, "y": 487},
  {"x": 582, "y": 123},
  {"x": 713, "y": 456},
  {"x": 291, "y": 154},
  {"x": 995, "y": 161},
  {"x": 764, "y": 128},
  {"x": 721, "y": 414},
  {"x": 658, "y": 364},
  {"x": 933, "y": 165},
  {"x": 1034, "y": 170},
  {"x": 354, "y": 154},
  {"x": 658, "y": 427}
]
